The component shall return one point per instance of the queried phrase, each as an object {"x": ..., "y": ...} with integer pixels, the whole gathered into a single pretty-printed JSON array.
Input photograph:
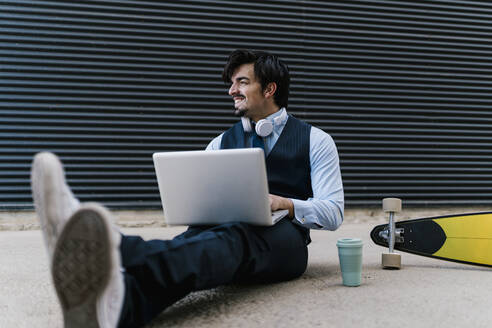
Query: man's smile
[{"x": 238, "y": 99}]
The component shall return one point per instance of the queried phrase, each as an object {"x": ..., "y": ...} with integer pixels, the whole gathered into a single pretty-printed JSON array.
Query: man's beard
[{"x": 240, "y": 112}]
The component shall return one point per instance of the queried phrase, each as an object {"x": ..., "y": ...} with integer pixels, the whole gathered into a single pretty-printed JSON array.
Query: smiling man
[{"x": 106, "y": 279}]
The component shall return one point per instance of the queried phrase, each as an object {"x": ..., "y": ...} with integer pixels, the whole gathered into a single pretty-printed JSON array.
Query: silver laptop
[{"x": 214, "y": 187}]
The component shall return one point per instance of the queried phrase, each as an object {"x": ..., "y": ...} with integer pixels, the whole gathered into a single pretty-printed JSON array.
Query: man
[{"x": 107, "y": 279}]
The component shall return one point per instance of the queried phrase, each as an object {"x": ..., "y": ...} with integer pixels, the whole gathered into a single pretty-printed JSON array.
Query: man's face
[{"x": 246, "y": 92}]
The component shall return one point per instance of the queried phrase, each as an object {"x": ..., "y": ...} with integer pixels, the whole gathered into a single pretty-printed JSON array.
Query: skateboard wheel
[
  {"x": 391, "y": 261},
  {"x": 391, "y": 205}
]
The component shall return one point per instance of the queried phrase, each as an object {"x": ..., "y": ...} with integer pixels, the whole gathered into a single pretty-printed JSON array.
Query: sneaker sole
[{"x": 81, "y": 266}]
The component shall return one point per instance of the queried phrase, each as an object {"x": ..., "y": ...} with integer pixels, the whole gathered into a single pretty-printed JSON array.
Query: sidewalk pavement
[{"x": 424, "y": 293}]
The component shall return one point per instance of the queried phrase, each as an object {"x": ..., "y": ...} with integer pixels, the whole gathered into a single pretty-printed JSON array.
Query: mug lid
[{"x": 348, "y": 242}]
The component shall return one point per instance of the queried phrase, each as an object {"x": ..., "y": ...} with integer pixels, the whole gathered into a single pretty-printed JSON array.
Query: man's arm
[
  {"x": 215, "y": 143},
  {"x": 325, "y": 209}
]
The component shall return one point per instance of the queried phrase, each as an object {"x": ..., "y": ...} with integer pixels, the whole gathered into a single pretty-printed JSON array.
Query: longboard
[{"x": 464, "y": 238}]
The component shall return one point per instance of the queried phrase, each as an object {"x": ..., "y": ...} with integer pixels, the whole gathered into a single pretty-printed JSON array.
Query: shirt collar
[{"x": 278, "y": 124}]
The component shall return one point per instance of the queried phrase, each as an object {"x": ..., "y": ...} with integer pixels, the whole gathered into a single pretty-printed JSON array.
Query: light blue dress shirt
[{"x": 325, "y": 209}]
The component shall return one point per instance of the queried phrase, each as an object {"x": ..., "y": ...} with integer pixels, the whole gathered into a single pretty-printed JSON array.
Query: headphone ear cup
[
  {"x": 246, "y": 124},
  {"x": 264, "y": 128}
]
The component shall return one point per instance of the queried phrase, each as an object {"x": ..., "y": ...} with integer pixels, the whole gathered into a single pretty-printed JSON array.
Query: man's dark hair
[{"x": 268, "y": 68}]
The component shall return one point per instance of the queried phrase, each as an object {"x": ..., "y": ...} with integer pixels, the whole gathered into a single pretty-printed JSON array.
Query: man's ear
[{"x": 270, "y": 90}]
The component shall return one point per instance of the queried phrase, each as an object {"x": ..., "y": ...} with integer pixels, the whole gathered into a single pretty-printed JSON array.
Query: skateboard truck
[
  {"x": 391, "y": 260},
  {"x": 398, "y": 235}
]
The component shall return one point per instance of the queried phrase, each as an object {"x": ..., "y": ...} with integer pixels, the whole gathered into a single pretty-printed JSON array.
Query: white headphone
[{"x": 263, "y": 127}]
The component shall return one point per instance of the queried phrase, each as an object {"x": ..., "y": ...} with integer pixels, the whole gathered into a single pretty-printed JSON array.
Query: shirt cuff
[{"x": 302, "y": 211}]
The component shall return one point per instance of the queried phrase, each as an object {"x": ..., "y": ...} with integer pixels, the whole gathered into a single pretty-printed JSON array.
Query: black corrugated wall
[{"x": 404, "y": 88}]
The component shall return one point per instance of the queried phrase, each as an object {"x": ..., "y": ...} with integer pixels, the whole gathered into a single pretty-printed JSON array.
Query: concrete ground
[{"x": 425, "y": 293}]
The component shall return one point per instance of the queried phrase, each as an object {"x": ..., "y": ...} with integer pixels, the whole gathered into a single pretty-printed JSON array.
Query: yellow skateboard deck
[{"x": 465, "y": 238}]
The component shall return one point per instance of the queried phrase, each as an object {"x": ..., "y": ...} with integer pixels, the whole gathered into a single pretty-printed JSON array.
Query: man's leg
[{"x": 158, "y": 273}]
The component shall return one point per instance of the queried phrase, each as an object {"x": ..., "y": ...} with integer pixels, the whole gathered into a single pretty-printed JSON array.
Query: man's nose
[{"x": 232, "y": 90}]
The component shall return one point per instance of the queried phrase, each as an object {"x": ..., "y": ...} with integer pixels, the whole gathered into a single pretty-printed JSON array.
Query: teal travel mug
[{"x": 350, "y": 255}]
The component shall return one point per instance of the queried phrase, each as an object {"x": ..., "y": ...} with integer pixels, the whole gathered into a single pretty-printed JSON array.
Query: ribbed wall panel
[{"x": 404, "y": 88}]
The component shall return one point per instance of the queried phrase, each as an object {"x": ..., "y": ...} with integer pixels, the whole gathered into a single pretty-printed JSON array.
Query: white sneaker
[
  {"x": 86, "y": 269},
  {"x": 53, "y": 200}
]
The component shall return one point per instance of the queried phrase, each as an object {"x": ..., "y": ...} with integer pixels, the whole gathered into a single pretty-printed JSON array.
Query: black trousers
[{"x": 160, "y": 272}]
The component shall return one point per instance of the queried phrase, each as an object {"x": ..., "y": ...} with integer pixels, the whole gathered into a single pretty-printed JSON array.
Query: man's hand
[{"x": 281, "y": 203}]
